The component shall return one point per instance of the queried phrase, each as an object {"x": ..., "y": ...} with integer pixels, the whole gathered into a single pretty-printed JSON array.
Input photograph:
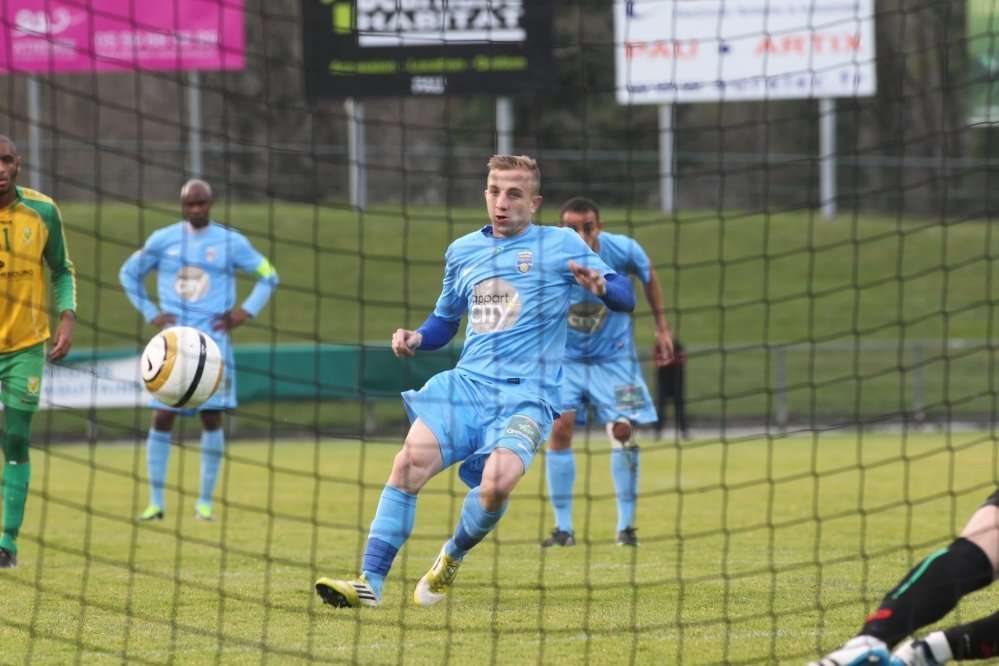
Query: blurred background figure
[{"x": 670, "y": 388}]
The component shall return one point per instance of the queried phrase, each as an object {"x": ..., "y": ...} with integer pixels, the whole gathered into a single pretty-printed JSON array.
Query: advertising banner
[
  {"x": 55, "y": 36},
  {"x": 369, "y": 48},
  {"x": 670, "y": 51},
  {"x": 983, "y": 69}
]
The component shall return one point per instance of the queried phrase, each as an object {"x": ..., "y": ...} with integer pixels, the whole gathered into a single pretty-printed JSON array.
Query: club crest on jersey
[
  {"x": 210, "y": 254},
  {"x": 525, "y": 260},
  {"x": 34, "y": 385},
  {"x": 27, "y": 234}
]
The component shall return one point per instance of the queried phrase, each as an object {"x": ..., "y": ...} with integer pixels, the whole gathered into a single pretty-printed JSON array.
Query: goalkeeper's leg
[
  {"x": 934, "y": 586},
  {"x": 964, "y": 642}
]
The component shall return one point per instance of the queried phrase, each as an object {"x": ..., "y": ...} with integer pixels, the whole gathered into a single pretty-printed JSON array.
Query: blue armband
[
  {"x": 620, "y": 297},
  {"x": 437, "y": 331}
]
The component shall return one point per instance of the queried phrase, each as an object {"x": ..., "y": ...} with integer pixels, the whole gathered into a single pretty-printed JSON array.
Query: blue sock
[
  {"x": 561, "y": 477},
  {"x": 473, "y": 525},
  {"x": 157, "y": 456},
  {"x": 212, "y": 449},
  {"x": 392, "y": 525},
  {"x": 624, "y": 470}
]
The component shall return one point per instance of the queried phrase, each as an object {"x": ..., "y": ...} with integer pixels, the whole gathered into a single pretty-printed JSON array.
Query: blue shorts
[
  {"x": 225, "y": 397},
  {"x": 472, "y": 416},
  {"x": 616, "y": 389}
]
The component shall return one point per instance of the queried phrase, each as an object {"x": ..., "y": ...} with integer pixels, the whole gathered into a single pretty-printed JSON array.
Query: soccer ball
[{"x": 182, "y": 367}]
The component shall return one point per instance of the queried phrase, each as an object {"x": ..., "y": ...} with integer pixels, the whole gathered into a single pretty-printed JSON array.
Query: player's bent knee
[
  {"x": 503, "y": 470},
  {"x": 411, "y": 469},
  {"x": 621, "y": 434},
  {"x": 561, "y": 437}
]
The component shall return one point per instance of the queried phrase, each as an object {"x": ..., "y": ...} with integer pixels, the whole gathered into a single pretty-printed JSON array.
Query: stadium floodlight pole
[
  {"x": 35, "y": 132},
  {"x": 504, "y": 126},
  {"x": 357, "y": 166},
  {"x": 195, "y": 165},
  {"x": 667, "y": 159},
  {"x": 827, "y": 156}
]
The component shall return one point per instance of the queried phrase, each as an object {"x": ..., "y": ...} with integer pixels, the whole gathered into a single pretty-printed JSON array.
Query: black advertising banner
[{"x": 395, "y": 48}]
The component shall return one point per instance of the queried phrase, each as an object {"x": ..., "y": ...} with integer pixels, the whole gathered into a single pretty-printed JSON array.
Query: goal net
[{"x": 811, "y": 182}]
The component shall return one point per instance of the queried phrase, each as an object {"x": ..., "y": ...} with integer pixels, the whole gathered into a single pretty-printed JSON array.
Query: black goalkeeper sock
[
  {"x": 975, "y": 640},
  {"x": 930, "y": 591}
]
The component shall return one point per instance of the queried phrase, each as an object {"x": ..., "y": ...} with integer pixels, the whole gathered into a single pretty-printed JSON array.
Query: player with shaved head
[{"x": 196, "y": 261}]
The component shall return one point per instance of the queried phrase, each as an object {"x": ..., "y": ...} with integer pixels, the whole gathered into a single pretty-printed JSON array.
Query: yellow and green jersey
[{"x": 31, "y": 234}]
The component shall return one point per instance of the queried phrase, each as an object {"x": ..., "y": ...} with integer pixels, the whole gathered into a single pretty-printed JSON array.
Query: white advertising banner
[
  {"x": 99, "y": 384},
  {"x": 671, "y": 51}
]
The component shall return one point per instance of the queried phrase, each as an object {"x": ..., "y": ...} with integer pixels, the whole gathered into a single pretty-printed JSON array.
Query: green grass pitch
[{"x": 754, "y": 550}]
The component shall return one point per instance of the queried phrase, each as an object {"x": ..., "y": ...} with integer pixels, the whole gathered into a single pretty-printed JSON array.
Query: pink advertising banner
[{"x": 54, "y": 36}]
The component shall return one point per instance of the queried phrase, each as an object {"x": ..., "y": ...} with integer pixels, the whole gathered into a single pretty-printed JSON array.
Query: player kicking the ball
[
  {"x": 927, "y": 594},
  {"x": 601, "y": 369},
  {"x": 493, "y": 411}
]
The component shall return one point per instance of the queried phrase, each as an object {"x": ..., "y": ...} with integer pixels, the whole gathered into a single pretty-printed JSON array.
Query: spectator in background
[{"x": 671, "y": 382}]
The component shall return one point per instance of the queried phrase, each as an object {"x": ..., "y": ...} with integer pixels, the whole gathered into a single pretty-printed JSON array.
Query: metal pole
[
  {"x": 827, "y": 156},
  {"x": 918, "y": 383},
  {"x": 780, "y": 387},
  {"x": 356, "y": 153},
  {"x": 34, "y": 133},
  {"x": 504, "y": 126},
  {"x": 667, "y": 159},
  {"x": 195, "y": 163}
]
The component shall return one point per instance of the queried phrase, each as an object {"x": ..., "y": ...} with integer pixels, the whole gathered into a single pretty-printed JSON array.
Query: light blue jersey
[
  {"x": 504, "y": 392},
  {"x": 596, "y": 332},
  {"x": 601, "y": 366},
  {"x": 196, "y": 282},
  {"x": 516, "y": 292}
]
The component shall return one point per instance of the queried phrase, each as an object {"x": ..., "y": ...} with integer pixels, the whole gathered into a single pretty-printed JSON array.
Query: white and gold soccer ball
[{"x": 182, "y": 367}]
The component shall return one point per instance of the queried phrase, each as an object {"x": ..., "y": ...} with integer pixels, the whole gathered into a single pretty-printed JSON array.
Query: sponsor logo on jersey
[
  {"x": 587, "y": 316},
  {"x": 629, "y": 397},
  {"x": 25, "y": 274},
  {"x": 525, "y": 260},
  {"x": 524, "y": 428},
  {"x": 495, "y": 306},
  {"x": 191, "y": 283}
]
